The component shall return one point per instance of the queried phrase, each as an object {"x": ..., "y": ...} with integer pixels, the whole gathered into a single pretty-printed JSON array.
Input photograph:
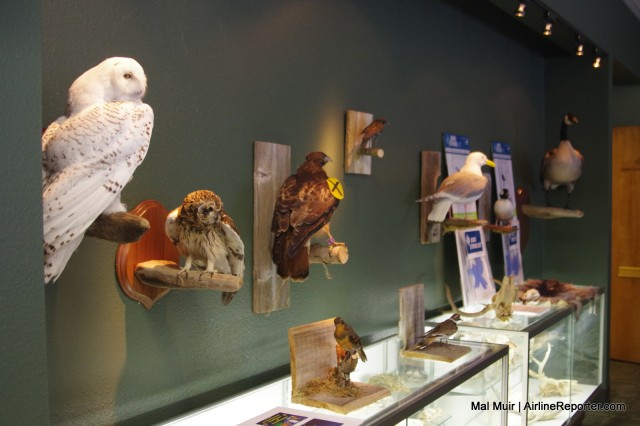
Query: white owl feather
[{"x": 89, "y": 156}]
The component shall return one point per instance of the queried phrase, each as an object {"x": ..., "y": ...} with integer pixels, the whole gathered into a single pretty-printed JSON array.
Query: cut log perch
[
  {"x": 541, "y": 212},
  {"x": 166, "y": 274},
  {"x": 373, "y": 152},
  {"x": 337, "y": 253},
  {"x": 120, "y": 227}
]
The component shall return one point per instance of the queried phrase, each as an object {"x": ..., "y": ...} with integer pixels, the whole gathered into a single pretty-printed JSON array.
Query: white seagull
[{"x": 464, "y": 186}]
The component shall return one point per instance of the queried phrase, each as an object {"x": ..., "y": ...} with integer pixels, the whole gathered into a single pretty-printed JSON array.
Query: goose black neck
[{"x": 563, "y": 131}]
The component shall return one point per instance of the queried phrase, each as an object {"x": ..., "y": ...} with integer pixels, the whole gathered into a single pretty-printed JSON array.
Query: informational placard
[
  {"x": 473, "y": 260},
  {"x": 282, "y": 416},
  {"x": 501, "y": 153}
]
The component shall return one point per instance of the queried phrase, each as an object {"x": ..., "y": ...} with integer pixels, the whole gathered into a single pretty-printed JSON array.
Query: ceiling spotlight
[
  {"x": 579, "y": 46},
  {"x": 548, "y": 26},
  {"x": 521, "y": 9},
  {"x": 597, "y": 59}
]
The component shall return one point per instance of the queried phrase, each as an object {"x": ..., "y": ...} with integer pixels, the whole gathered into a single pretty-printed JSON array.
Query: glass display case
[
  {"x": 467, "y": 391},
  {"x": 555, "y": 357}
]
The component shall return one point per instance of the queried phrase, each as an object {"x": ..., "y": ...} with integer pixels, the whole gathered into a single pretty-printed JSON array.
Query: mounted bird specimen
[
  {"x": 206, "y": 236},
  {"x": 562, "y": 166},
  {"x": 348, "y": 339},
  {"x": 303, "y": 207},
  {"x": 503, "y": 208},
  {"x": 446, "y": 328},
  {"x": 89, "y": 155},
  {"x": 464, "y": 186},
  {"x": 370, "y": 133}
]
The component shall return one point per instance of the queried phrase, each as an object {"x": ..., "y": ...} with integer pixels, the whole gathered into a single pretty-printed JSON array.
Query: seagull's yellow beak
[{"x": 490, "y": 163}]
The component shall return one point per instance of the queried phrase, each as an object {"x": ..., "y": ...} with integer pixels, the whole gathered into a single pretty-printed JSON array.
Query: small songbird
[
  {"x": 562, "y": 166},
  {"x": 371, "y": 132},
  {"x": 504, "y": 208},
  {"x": 303, "y": 207},
  {"x": 348, "y": 339},
  {"x": 446, "y": 328},
  {"x": 464, "y": 186},
  {"x": 206, "y": 236},
  {"x": 90, "y": 154}
]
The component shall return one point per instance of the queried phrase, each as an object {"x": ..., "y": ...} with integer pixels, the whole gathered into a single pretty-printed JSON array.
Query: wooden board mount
[
  {"x": 430, "y": 232},
  {"x": 313, "y": 355},
  {"x": 152, "y": 245},
  {"x": 439, "y": 351},
  {"x": 356, "y": 160}
]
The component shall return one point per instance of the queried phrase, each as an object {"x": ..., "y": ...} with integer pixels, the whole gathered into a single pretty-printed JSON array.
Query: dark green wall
[
  {"x": 23, "y": 353},
  {"x": 221, "y": 75}
]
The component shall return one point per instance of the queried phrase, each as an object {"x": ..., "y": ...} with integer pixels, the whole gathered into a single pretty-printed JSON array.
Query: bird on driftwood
[
  {"x": 206, "y": 236},
  {"x": 371, "y": 132},
  {"x": 464, "y": 186},
  {"x": 562, "y": 166},
  {"x": 89, "y": 155},
  {"x": 503, "y": 208},
  {"x": 304, "y": 206},
  {"x": 348, "y": 339},
  {"x": 446, "y": 328}
]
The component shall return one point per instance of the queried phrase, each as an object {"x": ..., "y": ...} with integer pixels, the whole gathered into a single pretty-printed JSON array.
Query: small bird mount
[
  {"x": 361, "y": 132},
  {"x": 418, "y": 344},
  {"x": 314, "y": 371},
  {"x": 149, "y": 268},
  {"x": 272, "y": 165}
]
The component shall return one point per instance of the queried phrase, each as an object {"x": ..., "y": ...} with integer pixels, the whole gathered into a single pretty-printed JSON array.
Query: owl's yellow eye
[{"x": 128, "y": 75}]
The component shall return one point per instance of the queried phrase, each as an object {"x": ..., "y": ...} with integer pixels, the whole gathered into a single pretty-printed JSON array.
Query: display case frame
[
  {"x": 573, "y": 327},
  {"x": 384, "y": 358}
]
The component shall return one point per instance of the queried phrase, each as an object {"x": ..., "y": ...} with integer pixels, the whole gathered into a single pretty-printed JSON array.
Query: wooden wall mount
[
  {"x": 356, "y": 161},
  {"x": 430, "y": 232},
  {"x": 543, "y": 212},
  {"x": 271, "y": 166},
  {"x": 149, "y": 268},
  {"x": 152, "y": 245}
]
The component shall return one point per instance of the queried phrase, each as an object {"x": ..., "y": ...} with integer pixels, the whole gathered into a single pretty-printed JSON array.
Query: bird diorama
[
  {"x": 562, "y": 166},
  {"x": 348, "y": 350},
  {"x": 90, "y": 154},
  {"x": 464, "y": 186},
  {"x": 207, "y": 237},
  {"x": 370, "y": 133},
  {"x": 503, "y": 208},
  {"x": 445, "y": 329},
  {"x": 304, "y": 206}
]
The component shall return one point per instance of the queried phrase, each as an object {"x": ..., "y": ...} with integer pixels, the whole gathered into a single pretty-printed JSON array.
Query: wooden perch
[
  {"x": 166, "y": 274},
  {"x": 541, "y": 212},
  {"x": 121, "y": 227},
  {"x": 373, "y": 152},
  {"x": 454, "y": 224},
  {"x": 501, "y": 229},
  {"x": 337, "y": 253}
]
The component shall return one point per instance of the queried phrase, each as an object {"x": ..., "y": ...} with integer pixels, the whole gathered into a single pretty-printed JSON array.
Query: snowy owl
[
  {"x": 89, "y": 155},
  {"x": 206, "y": 236}
]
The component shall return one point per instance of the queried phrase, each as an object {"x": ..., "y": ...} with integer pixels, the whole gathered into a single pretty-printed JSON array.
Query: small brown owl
[{"x": 206, "y": 236}]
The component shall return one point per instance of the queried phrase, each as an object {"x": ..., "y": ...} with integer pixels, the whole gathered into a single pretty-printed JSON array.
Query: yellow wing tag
[{"x": 336, "y": 188}]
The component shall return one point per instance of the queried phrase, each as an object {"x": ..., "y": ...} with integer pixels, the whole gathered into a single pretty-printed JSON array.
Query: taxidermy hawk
[
  {"x": 89, "y": 155},
  {"x": 304, "y": 206},
  {"x": 206, "y": 236},
  {"x": 562, "y": 166}
]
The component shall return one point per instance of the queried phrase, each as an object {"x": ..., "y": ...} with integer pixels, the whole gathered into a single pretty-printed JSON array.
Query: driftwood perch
[
  {"x": 429, "y": 173},
  {"x": 541, "y": 212},
  {"x": 119, "y": 227},
  {"x": 167, "y": 274}
]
